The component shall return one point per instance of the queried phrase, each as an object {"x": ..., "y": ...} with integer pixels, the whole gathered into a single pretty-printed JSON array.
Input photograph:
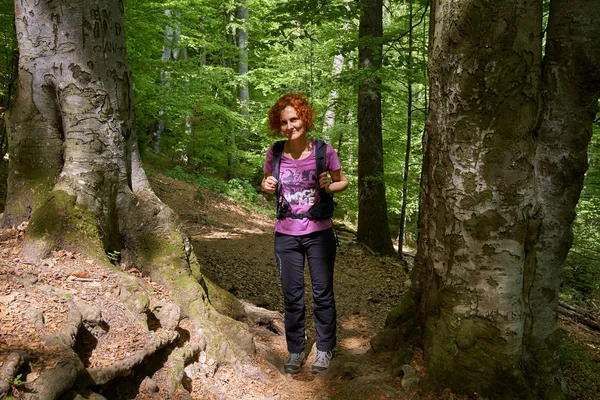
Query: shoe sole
[
  {"x": 318, "y": 370},
  {"x": 291, "y": 370}
]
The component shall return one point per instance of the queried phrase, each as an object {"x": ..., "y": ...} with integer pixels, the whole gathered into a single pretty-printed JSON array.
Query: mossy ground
[{"x": 580, "y": 359}]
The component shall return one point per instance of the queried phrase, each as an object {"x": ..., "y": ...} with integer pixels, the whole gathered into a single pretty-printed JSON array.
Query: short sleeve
[
  {"x": 268, "y": 167},
  {"x": 332, "y": 162}
]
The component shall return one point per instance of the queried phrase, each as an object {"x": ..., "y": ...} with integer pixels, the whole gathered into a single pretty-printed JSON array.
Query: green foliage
[
  {"x": 114, "y": 257},
  {"x": 238, "y": 189},
  {"x": 581, "y": 277},
  {"x": 8, "y": 52},
  {"x": 292, "y": 46},
  {"x": 16, "y": 382},
  {"x": 8, "y": 62}
]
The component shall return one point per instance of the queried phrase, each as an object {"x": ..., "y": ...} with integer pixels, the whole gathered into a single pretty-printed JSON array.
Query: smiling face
[{"x": 292, "y": 126}]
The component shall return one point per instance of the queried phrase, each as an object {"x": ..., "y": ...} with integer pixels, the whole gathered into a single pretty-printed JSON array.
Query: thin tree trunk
[
  {"x": 171, "y": 51},
  {"x": 242, "y": 34},
  {"x": 373, "y": 225},
  {"x": 329, "y": 120},
  {"x": 409, "y": 112},
  {"x": 203, "y": 48}
]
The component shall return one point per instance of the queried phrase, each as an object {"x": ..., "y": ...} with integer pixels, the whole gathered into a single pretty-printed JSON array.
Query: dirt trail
[{"x": 235, "y": 249}]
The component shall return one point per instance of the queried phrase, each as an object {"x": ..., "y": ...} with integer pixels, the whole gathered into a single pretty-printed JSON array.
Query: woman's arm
[{"x": 339, "y": 184}]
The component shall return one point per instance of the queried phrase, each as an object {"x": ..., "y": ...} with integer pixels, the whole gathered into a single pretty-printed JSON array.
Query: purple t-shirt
[{"x": 299, "y": 187}]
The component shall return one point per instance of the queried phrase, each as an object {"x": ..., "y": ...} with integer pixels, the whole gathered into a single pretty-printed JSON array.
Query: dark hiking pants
[{"x": 290, "y": 253}]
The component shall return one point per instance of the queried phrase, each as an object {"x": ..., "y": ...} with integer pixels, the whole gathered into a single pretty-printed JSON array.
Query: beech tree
[
  {"x": 75, "y": 171},
  {"x": 373, "y": 226},
  {"x": 505, "y": 157}
]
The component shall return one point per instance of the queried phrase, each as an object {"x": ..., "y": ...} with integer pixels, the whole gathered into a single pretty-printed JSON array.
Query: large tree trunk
[
  {"x": 477, "y": 193},
  {"x": 75, "y": 171},
  {"x": 373, "y": 226},
  {"x": 570, "y": 90},
  {"x": 505, "y": 154}
]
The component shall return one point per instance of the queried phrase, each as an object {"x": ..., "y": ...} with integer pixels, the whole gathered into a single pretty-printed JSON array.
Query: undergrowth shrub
[{"x": 238, "y": 189}]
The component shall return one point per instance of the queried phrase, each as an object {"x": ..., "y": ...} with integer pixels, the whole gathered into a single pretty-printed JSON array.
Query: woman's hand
[
  {"x": 269, "y": 184},
  {"x": 340, "y": 182},
  {"x": 324, "y": 182}
]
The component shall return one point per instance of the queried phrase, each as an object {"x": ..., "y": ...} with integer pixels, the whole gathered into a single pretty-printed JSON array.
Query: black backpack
[{"x": 323, "y": 209}]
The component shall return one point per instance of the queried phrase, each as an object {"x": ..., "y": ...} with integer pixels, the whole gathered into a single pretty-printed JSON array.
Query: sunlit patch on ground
[{"x": 356, "y": 339}]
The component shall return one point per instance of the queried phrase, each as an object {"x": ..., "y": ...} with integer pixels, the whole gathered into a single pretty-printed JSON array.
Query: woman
[{"x": 297, "y": 238}]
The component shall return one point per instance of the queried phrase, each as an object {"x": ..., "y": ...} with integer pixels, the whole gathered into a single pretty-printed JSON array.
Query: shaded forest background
[{"x": 204, "y": 76}]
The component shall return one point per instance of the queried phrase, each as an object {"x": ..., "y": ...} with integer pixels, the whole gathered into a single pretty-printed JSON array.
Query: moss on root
[
  {"x": 62, "y": 223},
  {"x": 401, "y": 327}
]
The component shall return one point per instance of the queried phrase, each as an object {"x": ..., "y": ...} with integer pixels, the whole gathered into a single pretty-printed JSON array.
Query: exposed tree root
[
  {"x": 101, "y": 376},
  {"x": 67, "y": 336},
  {"x": 178, "y": 360},
  {"x": 261, "y": 316},
  {"x": 61, "y": 378},
  {"x": 9, "y": 370}
]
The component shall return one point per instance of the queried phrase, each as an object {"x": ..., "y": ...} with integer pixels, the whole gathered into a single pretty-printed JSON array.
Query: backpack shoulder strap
[
  {"x": 320, "y": 154},
  {"x": 277, "y": 151}
]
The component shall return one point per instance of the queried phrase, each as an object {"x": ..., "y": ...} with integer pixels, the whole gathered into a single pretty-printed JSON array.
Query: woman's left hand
[{"x": 324, "y": 182}]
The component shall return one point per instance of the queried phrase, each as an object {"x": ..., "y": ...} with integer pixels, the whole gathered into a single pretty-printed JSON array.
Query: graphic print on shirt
[{"x": 299, "y": 187}]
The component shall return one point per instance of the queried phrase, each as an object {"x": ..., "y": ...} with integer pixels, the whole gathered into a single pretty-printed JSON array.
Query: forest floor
[{"x": 234, "y": 245}]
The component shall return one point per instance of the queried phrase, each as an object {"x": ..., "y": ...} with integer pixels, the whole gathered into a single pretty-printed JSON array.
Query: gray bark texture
[
  {"x": 70, "y": 127},
  {"x": 373, "y": 225},
  {"x": 505, "y": 156}
]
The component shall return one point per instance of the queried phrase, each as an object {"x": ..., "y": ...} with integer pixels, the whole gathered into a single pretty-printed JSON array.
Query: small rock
[
  {"x": 149, "y": 386},
  {"x": 410, "y": 378},
  {"x": 134, "y": 297},
  {"x": 36, "y": 317},
  {"x": 169, "y": 315},
  {"x": 28, "y": 279},
  {"x": 89, "y": 313}
]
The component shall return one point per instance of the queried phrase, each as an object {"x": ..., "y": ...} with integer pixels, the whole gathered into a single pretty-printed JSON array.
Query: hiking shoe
[
  {"x": 294, "y": 363},
  {"x": 322, "y": 361}
]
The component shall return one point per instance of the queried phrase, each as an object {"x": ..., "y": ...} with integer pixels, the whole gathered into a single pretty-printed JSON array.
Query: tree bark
[
  {"x": 570, "y": 91},
  {"x": 409, "y": 112},
  {"x": 505, "y": 155},
  {"x": 373, "y": 225}
]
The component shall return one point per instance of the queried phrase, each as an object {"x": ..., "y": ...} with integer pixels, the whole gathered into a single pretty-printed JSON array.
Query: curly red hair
[{"x": 300, "y": 104}]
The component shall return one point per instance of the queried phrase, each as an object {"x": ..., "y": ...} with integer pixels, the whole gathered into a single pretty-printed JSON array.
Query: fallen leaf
[
  {"x": 7, "y": 299},
  {"x": 82, "y": 274}
]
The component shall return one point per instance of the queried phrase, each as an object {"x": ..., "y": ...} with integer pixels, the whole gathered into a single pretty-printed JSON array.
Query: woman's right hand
[{"x": 269, "y": 184}]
